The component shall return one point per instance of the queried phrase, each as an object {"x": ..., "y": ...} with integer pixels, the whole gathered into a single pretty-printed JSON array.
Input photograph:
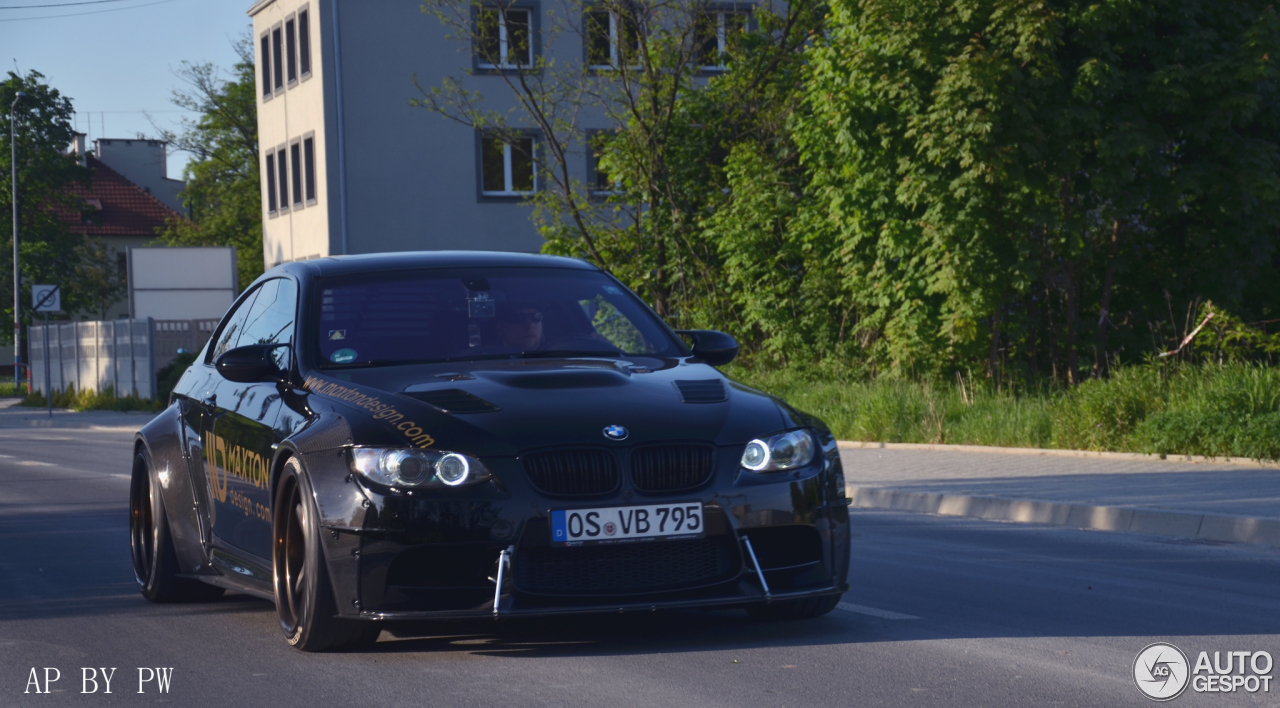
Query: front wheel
[
  {"x": 807, "y": 608},
  {"x": 155, "y": 562},
  {"x": 304, "y": 597}
]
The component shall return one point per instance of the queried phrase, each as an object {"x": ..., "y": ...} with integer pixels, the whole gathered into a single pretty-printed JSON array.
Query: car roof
[{"x": 410, "y": 260}]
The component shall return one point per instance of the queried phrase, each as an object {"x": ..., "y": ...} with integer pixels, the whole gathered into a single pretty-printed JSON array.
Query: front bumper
[{"x": 442, "y": 556}]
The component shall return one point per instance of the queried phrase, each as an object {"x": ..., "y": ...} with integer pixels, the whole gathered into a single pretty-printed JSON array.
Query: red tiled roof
[{"x": 114, "y": 206}]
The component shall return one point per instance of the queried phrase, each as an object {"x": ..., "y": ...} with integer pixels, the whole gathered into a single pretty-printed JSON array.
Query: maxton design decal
[
  {"x": 381, "y": 411},
  {"x": 224, "y": 460}
]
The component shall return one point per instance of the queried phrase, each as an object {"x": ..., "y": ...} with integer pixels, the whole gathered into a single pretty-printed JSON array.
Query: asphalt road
[{"x": 943, "y": 612}]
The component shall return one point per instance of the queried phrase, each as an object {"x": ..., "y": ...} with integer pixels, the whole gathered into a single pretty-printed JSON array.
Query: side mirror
[
  {"x": 713, "y": 347},
  {"x": 249, "y": 364}
]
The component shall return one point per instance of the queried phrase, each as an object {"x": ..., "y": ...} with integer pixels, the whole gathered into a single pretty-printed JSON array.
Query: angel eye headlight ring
[
  {"x": 777, "y": 453},
  {"x": 411, "y": 468}
]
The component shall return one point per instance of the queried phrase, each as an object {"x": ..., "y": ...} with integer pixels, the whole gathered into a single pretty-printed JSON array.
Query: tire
[
  {"x": 304, "y": 597},
  {"x": 155, "y": 562},
  {"x": 786, "y": 610}
]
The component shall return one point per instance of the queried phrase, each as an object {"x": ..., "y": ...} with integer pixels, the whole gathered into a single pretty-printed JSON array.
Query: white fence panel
[{"x": 119, "y": 354}]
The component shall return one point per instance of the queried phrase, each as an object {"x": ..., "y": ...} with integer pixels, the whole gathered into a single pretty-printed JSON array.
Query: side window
[
  {"x": 229, "y": 333},
  {"x": 613, "y": 326},
  {"x": 270, "y": 321}
]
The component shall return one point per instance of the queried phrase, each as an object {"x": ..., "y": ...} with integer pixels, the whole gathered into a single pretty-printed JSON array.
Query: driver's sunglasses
[{"x": 523, "y": 318}]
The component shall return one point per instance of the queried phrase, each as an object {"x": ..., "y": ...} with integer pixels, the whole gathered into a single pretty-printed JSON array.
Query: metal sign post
[{"x": 47, "y": 298}]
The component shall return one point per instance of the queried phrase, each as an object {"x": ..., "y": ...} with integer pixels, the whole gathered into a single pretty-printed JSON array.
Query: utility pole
[{"x": 17, "y": 310}]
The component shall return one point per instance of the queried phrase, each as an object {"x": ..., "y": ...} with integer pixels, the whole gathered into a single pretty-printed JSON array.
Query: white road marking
[
  {"x": 874, "y": 612},
  {"x": 36, "y": 463}
]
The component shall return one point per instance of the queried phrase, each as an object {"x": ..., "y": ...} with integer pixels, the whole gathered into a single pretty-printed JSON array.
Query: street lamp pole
[{"x": 17, "y": 311}]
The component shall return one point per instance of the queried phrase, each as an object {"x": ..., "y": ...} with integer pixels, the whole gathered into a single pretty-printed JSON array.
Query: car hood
[{"x": 507, "y": 406}]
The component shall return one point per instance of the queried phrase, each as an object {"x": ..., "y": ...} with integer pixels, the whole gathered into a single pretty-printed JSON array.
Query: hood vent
[
  {"x": 701, "y": 390},
  {"x": 453, "y": 400}
]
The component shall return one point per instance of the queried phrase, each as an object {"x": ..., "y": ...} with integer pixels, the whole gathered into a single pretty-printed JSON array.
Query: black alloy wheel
[
  {"x": 155, "y": 562},
  {"x": 304, "y": 597}
]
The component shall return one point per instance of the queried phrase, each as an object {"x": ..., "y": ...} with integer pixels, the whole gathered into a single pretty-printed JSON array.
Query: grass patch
[
  {"x": 89, "y": 400},
  {"x": 1219, "y": 411}
]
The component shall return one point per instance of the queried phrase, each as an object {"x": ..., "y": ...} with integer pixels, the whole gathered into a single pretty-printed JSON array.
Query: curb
[
  {"x": 1193, "y": 459},
  {"x": 1182, "y": 524}
]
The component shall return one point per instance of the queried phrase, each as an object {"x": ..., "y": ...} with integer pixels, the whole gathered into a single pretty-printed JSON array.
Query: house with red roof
[{"x": 128, "y": 201}]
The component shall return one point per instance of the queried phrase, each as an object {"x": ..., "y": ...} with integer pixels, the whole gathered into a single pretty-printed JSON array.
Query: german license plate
[{"x": 620, "y": 524}]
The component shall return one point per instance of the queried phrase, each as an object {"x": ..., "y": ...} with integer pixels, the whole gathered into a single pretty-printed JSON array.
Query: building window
[
  {"x": 613, "y": 40},
  {"x": 504, "y": 38},
  {"x": 265, "y": 55},
  {"x": 599, "y": 182},
  {"x": 271, "y": 183},
  {"x": 716, "y": 32},
  {"x": 277, "y": 59},
  {"x": 309, "y": 168},
  {"x": 295, "y": 162},
  {"x": 282, "y": 172},
  {"x": 291, "y": 48},
  {"x": 507, "y": 166},
  {"x": 304, "y": 42}
]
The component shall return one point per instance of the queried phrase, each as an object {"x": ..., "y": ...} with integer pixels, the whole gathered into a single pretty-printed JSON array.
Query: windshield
[{"x": 386, "y": 318}]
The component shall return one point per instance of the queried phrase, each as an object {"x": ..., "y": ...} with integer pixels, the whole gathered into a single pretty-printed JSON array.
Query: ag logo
[{"x": 1161, "y": 671}]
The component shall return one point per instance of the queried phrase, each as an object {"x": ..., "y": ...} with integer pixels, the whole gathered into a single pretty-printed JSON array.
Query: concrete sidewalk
[{"x": 1236, "y": 502}]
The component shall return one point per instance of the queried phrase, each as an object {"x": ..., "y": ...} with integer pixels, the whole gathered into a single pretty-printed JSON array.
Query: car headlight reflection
[
  {"x": 776, "y": 453},
  {"x": 410, "y": 468}
]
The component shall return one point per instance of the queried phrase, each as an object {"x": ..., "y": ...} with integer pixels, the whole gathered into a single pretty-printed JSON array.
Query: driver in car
[{"x": 520, "y": 326}]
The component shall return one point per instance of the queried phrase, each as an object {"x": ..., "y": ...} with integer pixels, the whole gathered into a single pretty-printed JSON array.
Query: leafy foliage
[
  {"x": 1003, "y": 176},
  {"x": 223, "y": 192},
  {"x": 47, "y": 249},
  {"x": 98, "y": 277}
]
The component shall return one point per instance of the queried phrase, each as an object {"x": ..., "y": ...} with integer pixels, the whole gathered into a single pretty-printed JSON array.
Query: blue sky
[{"x": 116, "y": 59}]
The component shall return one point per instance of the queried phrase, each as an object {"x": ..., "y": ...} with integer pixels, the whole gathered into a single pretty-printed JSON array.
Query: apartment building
[{"x": 347, "y": 165}]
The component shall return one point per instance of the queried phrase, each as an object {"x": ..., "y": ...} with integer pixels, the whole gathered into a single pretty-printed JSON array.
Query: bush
[
  {"x": 1231, "y": 410},
  {"x": 90, "y": 400},
  {"x": 167, "y": 377}
]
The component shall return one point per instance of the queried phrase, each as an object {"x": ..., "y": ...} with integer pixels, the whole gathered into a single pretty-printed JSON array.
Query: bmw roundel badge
[{"x": 615, "y": 432}]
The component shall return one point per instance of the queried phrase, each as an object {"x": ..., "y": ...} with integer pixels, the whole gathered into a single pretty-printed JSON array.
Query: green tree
[
  {"x": 47, "y": 249},
  {"x": 222, "y": 193},
  {"x": 98, "y": 278},
  {"x": 1033, "y": 182},
  {"x": 675, "y": 88}
]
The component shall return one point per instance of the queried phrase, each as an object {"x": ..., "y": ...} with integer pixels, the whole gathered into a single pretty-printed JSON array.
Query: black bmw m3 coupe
[{"x": 419, "y": 436}]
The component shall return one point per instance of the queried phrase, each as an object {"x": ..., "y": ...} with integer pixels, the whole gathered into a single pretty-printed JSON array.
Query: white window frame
[
  {"x": 504, "y": 51},
  {"x": 273, "y": 196},
  {"x": 279, "y": 87},
  {"x": 722, "y": 44},
  {"x": 282, "y": 180},
  {"x": 615, "y": 34},
  {"x": 304, "y": 18},
  {"x": 508, "y": 176},
  {"x": 291, "y": 53},
  {"x": 309, "y": 169},
  {"x": 267, "y": 90}
]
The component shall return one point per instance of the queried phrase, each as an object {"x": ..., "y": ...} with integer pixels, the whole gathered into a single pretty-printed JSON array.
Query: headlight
[
  {"x": 784, "y": 451},
  {"x": 407, "y": 467}
]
